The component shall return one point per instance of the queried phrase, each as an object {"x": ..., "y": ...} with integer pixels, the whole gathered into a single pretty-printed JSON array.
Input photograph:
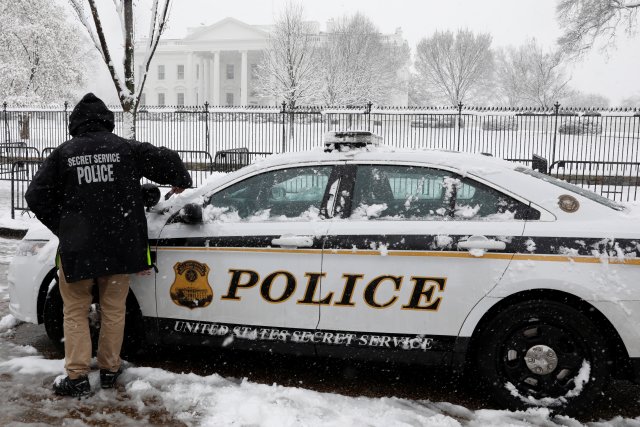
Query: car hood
[{"x": 37, "y": 231}]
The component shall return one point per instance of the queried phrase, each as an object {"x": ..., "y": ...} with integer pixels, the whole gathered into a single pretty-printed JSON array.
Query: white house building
[{"x": 215, "y": 64}]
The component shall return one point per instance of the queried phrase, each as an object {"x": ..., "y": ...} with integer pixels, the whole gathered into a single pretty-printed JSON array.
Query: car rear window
[{"x": 571, "y": 187}]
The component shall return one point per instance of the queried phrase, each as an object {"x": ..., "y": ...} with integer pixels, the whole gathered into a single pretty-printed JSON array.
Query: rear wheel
[{"x": 543, "y": 353}]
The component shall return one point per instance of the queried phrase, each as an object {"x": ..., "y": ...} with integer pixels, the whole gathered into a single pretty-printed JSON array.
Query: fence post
[
  {"x": 284, "y": 126},
  {"x": 66, "y": 119},
  {"x": 13, "y": 210},
  {"x": 6, "y": 122},
  {"x": 207, "y": 138},
  {"x": 367, "y": 112},
  {"x": 556, "y": 109},
  {"x": 459, "y": 122}
]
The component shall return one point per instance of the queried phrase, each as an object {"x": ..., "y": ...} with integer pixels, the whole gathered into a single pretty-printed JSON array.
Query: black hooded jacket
[{"x": 88, "y": 193}]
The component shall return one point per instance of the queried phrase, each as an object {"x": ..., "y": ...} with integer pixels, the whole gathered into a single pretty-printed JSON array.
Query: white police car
[{"x": 365, "y": 251}]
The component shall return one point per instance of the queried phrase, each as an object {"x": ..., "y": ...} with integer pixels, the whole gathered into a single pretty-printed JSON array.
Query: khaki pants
[{"x": 77, "y": 300}]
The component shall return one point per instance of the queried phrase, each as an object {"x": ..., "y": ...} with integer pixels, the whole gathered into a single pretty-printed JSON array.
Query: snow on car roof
[{"x": 454, "y": 159}]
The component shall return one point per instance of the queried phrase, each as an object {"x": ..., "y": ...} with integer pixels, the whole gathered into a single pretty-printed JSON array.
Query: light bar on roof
[{"x": 351, "y": 138}]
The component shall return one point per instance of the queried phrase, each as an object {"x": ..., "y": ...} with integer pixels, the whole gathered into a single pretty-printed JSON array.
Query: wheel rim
[{"x": 542, "y": 360}]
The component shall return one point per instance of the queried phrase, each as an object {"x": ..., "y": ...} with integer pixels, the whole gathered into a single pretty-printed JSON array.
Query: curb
[{"x": 12, "y": 233}]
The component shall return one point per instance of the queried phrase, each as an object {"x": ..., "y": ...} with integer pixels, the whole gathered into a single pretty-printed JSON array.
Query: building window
[
  {"x": 229, "y": 99},
  {"x": 160, "y": 72},
  {"x": 181, "y": 99},
  {"x": 230, "y": 71},
  {"x": 143, "y": 99},
  {"x": 180, "y": 72},
  {"x": 254, "y": 71},
  {"x": 161, "y": 99}
]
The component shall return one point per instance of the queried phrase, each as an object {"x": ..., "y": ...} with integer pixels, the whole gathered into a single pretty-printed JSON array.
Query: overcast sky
[{"x": 615, "y": 74}]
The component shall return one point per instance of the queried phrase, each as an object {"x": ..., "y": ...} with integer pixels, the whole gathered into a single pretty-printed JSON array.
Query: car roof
[{"x": 445, "y": 158}]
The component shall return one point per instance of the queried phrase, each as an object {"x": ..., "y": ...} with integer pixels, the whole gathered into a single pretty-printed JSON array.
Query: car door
[
  {"x": 241, "y": 276},
  {"x": 420, "y": 248}
]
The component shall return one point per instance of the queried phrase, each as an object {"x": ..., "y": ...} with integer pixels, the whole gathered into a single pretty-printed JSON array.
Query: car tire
[
  {"x": 533, "y": 354},
  {"x": 53, "y": 323},
  {"x": 52, "y": 316}
]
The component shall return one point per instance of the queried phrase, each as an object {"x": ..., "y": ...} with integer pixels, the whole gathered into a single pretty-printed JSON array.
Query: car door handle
[
  {"x": 481, "y": 242},
  {"x": 293, "y": 241}
]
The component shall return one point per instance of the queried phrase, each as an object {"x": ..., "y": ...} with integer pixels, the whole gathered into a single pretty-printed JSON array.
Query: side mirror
[
  {"x": 150, "y": 195},
  {"x": 191, "y": 213}
]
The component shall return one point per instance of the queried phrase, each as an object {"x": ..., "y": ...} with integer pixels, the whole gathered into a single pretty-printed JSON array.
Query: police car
[{"x": 360, "y": 250}]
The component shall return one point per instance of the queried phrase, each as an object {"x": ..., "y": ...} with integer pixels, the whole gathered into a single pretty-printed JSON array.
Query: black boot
[
  {"x": 108, "y": 378},
  {"x": 79, "y": 387}
]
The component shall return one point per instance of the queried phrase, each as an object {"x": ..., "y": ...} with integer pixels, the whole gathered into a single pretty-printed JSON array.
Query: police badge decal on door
[{"x": 191, "y": 287}]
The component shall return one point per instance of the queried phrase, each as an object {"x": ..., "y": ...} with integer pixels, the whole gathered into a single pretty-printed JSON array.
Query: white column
[
  {"x": 190, "y": 80},
  {"x": 207, "y": 81},
  {"x": 201, "y": 82},
  {"x": 216, "y": 77},
  {"x": 243, "y": 79}
]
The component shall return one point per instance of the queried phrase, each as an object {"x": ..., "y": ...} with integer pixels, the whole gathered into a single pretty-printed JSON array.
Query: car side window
[
  {"x": 409, "y": 192},
  {"x": 474, "y": 200},
  {"x": 285, "y": 194},
  {"x": 395, "y": 192}
]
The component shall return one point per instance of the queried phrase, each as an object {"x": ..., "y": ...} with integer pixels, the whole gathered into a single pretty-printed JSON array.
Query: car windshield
[{"x": 574, "y": 188}]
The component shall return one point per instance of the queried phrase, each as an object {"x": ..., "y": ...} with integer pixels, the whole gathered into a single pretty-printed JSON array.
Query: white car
[{"x": 364, "y": 251}]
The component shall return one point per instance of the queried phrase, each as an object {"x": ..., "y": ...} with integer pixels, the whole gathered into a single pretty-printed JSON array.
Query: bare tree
[
  {"x": 41, "y": 57},
  {"x": 288, "y": 70},
  {"x": 584, "y": 21},
  {"x": 456, "y": 67},
  {"x": 359, "y": 65},
  {"x": 529, "y": 75},
  {"x": 576, "y": 98},
  {"x": 123, "y": 78},
  {"x": 632, "y": 101}
]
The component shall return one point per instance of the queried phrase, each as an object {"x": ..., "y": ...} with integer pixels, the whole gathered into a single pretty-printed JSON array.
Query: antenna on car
[{"x": 338, "y": 140}]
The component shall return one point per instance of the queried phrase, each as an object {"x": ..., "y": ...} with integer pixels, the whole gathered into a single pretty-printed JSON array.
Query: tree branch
[{"x": 105, "y": 49}]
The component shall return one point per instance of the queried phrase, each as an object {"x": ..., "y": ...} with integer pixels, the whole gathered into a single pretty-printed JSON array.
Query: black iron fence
[{"x": 598, "y": 149}]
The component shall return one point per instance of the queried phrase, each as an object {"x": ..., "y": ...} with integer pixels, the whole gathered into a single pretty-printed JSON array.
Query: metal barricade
[
  {"x": 617, "y": 180},
  {"x": 11, "y": 152},
  {"x": 235, "y": 158},
  {"x": 22, "y": 172},
  {"x": 199, "y": 164}
]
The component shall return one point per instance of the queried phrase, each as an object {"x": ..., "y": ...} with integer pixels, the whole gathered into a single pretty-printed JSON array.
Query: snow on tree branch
[
  {"x": 456, "y": 67},
  {"x": 157, "y": 24},
  {"x": 585, "y": 21},
  {"x": 78, "y": 8},
  {"x": 124, "y": 9},
  {"x": 41, "y": 57}
]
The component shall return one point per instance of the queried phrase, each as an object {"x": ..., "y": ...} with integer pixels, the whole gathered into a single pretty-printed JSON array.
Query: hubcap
[{"x": 541, "y": 359}]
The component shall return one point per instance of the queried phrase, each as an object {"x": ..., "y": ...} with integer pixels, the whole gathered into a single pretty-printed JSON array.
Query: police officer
[{"x": 88, "y": 193}]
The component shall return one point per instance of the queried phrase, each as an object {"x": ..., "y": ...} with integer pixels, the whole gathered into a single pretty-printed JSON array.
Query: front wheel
[{"x": 543, "y": 353}]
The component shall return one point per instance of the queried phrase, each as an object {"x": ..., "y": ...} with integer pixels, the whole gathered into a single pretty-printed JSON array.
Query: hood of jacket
[{"x": 90, "y": 115}]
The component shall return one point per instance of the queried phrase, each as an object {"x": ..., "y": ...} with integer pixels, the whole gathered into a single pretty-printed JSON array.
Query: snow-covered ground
[{"x": 155, "y": 396}]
